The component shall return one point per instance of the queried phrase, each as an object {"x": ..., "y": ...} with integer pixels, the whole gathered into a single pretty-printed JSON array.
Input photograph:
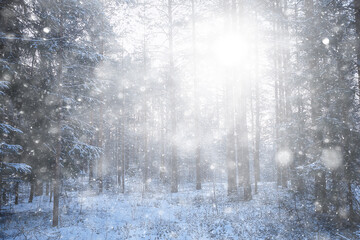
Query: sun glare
[{"x": 230, "y": 50}]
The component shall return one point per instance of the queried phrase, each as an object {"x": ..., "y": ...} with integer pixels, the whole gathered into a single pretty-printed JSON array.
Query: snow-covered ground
[{"x": 188, "y": 214}]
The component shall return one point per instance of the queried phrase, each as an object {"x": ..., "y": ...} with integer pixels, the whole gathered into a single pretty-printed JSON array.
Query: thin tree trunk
[
  {"x": 123, "y": 153},
  {"x": 17, "y": 193},
  {"x": 244, "y": 158},
  {"x": 39, "y": 187},
  {"x": 276, "y": 89},
  {"x": 101, "y": 145},
  {"x": 117, "y": 157},
  {"x": 145, "y": 99},
  {"x": 100, "y": 177},
  {"x": 1, "y": 183},
  {"x": 32, "y": 188},
  {"x": 257, "y": 118},
  {"x": 196, "y": 102},
  {"x": 91, "y": 161},
  {"x": 172, "y": 87},
  {"x": 242, "y": 133},
  {"x": 56, "y": 180},
  {"x": 47, "y": 188},
  {"x": 286, "y": 108},
  {"x": 357, "y": 26},
  {"x": 162, "y": 136},
  {"x": 51, "y": 191},
  {"x": 320, "y": 175}
]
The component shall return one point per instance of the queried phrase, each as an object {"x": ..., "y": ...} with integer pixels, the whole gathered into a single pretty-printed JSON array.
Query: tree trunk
[
  {"x": 101, "y": 145},
  {"x": 91, "y": 161},
  {"x": 145, "y": 99},
  {"x": 47, "y": 188},
  {"x": 17, "y": 193},
  {"x": 123, "y": 148},
  {"x": 257, "y": 111},
  {"x": 162, "y": 137},
  {"x": 32, "y": 188},
  {"x": 320, "y": 192},
  {"x": 230, "y": 158},
  {"x": 196, "y": 102},
  {"x": 51, "y": 191},
  {"x": 243, "y": 145},
  {"x": 242, "y": 132},
  {"x": 101, "y": 139},
  {"x": 320, "y": 175},
  {"x": 39, "y": 186},
  {"x": 172, "y": 87},
  {"x": 57, "y": 179},
  {"x": 229, "y": 107},
  {"x": 357, "y": 25},
  {"x": 117, "y": 157},
  {"x": 257, "y": 132},
  {"x": 230, "y": 141},
  {"x": 1, "y": 185},
  {"x": 56, "y": 183},
  {"x": 276, "y": 96}
]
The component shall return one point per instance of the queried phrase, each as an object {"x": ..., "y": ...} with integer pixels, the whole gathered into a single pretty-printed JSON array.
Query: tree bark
[
  {"x": 101, "y": 143},
  {"x": 162, "y": 137},
  {"x": 39, "y": 186},
  {"x": 32, "y": 188},
  {"x": 56, "y": 182},
  {"x": 357, "y": 26},
  {"x": 123, "y": 148},
  {"x": 229, "y": 107},
  {"x": 57, "y": 179},
  {"x": 257, "y": 124},
  {"x": 17, "y": 193},
  {"x": 172, "y": 87},
  {"x": 196, "y": 102},
  {"x": 47, "y": 188},
  {"x": 91, "y": 161},
  {"x": 145, "y": 107},
  {"x": 320, "y": 175}
]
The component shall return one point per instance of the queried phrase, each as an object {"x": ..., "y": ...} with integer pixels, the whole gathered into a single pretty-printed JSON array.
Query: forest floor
[{"x": 187, "y": 214}]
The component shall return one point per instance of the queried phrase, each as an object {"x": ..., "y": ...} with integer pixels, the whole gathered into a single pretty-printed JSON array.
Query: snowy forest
[{"x": 179, "y": 119}]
